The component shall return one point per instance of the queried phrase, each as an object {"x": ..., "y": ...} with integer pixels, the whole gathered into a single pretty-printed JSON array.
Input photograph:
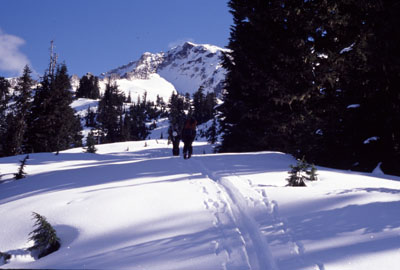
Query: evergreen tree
[
  {"x": 88, "y": 87},
  {"x": 135, "y": 121},
  {"x": 269, "y": 77},
  {"x": 4, "y": 99},
  {"x": 39, "y": 122},
  {"x": 21, "y": 173},
  {"x": 90, "y": 119},
  {"x": 312, "y": 173},
  {"x": 300, "y": 172},
  {"x": 126, "y": 129},
  {"x": 44, "y": 237},
  {"x": 199, "y": 105},
  {"x": 109, "y": 113},
  {"x": 314, "y": 78},
  {"x": 161, "y": 106},
  {"x": 187, "y": 103},
  {"x": 129, "y": 99},
  {"x": 67, "y": 126},
  {"x": 17, "y": 120},
  {"x": 296, "y": 177},
  {"x": 91, "y": 143},
  {"x": 356, "y": 73},
  {"x": 212, "y": 132},
  {"x": 210, "y": 104},
  {"x": 4, "y": 95},
  {"x": 53, "y": 123}
]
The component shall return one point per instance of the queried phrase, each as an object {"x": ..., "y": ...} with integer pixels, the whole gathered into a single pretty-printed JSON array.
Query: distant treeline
[{"x": 37, "y": 116}]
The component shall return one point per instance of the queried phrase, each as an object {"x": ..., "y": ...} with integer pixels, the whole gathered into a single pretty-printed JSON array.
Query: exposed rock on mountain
[{"x": 186, "y": 67}]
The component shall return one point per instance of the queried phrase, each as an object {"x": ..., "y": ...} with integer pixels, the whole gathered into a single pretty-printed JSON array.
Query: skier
[{"x": 188, "y": 136}]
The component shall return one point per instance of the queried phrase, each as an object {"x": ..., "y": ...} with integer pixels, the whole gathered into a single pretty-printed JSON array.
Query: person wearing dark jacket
[{"x": 188, "y": 136}]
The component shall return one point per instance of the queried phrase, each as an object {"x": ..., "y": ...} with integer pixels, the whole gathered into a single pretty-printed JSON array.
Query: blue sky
[{"x": 98, "y": 35}]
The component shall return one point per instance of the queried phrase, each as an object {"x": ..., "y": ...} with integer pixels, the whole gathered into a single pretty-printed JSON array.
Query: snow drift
[{"x": 135, "y": 206}]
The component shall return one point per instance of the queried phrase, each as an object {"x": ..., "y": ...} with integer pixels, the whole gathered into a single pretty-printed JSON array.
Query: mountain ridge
[
  {"x": 187, "y": 67},
  {"x": 182, "y": 69}
]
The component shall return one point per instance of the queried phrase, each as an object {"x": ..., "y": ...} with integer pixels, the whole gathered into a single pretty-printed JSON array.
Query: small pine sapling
[
  {"x": 44, "y": 237},
  {"x": 21, "y": 173},
  {"x": 312, "y": 173},
  {"x": 301, "y": 172},
  {"x": 296, "y": 177},
  {"x": 90, "y": 143}
]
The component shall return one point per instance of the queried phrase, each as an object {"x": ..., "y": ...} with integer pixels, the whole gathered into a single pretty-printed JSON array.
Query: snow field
[
  {"x": 134, "y": 206},
  {"x": 153, "y": 86}
]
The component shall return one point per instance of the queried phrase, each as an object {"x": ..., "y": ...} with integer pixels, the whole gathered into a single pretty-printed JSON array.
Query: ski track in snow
[
  {"x": 257, "y": 253},
  {"x": 253, "y": 238},
  {"x": 216, "y": 201},
  {"x": 240, "y": 224},
  {"x": 281, "y": 226}
]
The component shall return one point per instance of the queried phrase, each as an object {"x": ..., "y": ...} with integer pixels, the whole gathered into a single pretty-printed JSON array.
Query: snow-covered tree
[
  {"x": 301, "y": 172},
  {"x": 44, "y": 237}
]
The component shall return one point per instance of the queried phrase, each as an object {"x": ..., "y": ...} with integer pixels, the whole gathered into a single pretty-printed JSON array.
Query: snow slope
[
  {"x": 153, "y": 85},
  {"x": 134, "y": 206},
  {"x": 190, "y": 66},
  {"x": 184, "y": 69}
]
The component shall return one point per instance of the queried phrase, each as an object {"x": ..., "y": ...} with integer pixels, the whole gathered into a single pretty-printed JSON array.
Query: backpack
[
  {"x": 189, "y": 130},
  {"x": 190, "y": 124}
]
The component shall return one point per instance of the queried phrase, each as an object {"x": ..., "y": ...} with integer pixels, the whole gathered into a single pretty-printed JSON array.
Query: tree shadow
[
  {"x": 337, "y": 234},
  {"x": 67, "y": 234},
  {"x": 168, "y": 245},
  {"x": 148, "y": 163},
  {"x": 221, "y": 165},
  {"x": 371, "y": 190},
  {"x": 330, "y": 223}
]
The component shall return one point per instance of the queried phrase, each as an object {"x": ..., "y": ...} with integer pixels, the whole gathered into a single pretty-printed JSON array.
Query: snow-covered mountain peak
[
  {"x": 197, "y": 47},
  {"x": 187, "y": 67},
  {"x": 145, "y": 66},
  {"x": 140, "y": 69}
]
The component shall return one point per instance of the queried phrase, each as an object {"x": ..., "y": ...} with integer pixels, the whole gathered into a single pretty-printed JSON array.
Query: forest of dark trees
[
  {"x": 316, "y": 79},
  {"x": 37, "y": 116}
]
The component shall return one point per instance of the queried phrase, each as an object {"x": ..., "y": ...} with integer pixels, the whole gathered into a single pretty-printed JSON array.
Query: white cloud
[
  {"x": 11, "y": 58},
  {"x": 178, "y": 42}
]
